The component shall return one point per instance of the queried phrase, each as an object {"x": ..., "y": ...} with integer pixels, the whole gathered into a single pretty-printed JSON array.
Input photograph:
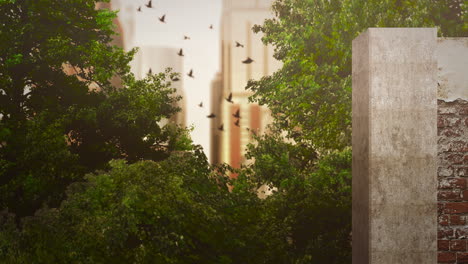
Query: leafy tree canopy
[
  {"x": 310, "y": 96},
  {"x": 60, "y": 114},
  {"x": 306, "y": 160},
  {"x": 173, "y": 211}
]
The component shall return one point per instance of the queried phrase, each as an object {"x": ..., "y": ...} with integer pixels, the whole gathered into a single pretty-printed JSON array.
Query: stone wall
[
  {"x": 410, "y": 147},
  {"x": 452, "y": 175}
]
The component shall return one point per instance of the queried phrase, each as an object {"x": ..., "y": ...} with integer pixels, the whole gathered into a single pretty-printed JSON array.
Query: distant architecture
[
  {"x": 117, "y": 40},
  {"x": 126, "y": 15},
  {"x": 158, "y": 58},
  {"x": 238, "y": 43}
]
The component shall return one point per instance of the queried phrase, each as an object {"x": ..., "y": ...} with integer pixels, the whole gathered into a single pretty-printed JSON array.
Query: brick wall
[{"x": 452, "y": 175}]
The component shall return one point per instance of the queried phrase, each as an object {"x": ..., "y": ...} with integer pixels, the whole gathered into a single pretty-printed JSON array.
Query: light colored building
[
  {"x": 238, "y": 18},
  {"x": 158, "y": 58},
  {"x": 126, "y": 16}
]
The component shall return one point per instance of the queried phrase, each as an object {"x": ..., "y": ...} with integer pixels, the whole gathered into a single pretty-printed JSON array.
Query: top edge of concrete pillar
[{"x": 396, "y": 30}]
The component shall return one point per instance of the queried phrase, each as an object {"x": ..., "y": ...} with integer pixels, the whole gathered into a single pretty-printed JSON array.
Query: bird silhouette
[
  {"x": 237, "y": 123},
  {"x": 150, "y": 71},
  {"x": 162, "y": 19},
  {"x": 211, "y": 26},
  {"x": 200, "y": 104},
  {"x": 190, "y": 74},
  {"x": 221, "y": 127},
  {"x": 229, "y": 99},
  {"x": 236, "y": 115},
  {"x": 175, "y": 79},
  {"x": 186, "y": 37},
  {"x": 211, "y": 115},
  {"x": 247, "y": 61},
  {"x": 139, "y": 9},
  {"x": 180, "y": 53},
  {"x": 149, "y": 5},
  {"x": 239, "y": 45}
]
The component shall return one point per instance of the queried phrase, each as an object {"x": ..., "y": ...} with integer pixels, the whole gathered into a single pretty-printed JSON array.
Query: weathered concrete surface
[
  {"x": 395, "y": 146},
  {"x": 360, "y": 143},
  {"x": 452, "y": 74}
]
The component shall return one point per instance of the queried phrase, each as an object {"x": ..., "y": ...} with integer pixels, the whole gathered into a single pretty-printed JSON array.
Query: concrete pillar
[{"x": 395, "y": 146}]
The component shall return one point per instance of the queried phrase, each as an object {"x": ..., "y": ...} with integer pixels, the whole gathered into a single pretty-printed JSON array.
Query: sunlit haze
[{"x": 183, "y": 17}]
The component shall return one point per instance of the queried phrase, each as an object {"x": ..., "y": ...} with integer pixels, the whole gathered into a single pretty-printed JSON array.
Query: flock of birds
[{"x": 248, "y": 60}]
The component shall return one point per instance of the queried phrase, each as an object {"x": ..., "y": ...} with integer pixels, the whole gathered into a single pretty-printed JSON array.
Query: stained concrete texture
[
  {"x": 395, "y": 146},
  {"x": 452, "y": 72}
]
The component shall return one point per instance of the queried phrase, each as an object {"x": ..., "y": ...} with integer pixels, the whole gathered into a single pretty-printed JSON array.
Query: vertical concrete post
[{"x": 395, "y": 146}]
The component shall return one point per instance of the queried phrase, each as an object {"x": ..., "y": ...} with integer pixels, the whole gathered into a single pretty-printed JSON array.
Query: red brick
[
  {"x": 444, "y": 171},
  {"x": 448, "y": 195},
  {"x": 451, "y": 132},
  {"x": 458, "y": 245},
  {"x": 455, "y": 158},
  {"x": 457, "y": 220},
  {"x": 466, "y": 121},
  {"x": 440, "y": 208},
  {"x": 441, "y": 122},
  {"x": 465, "y": 195},
  {"x": 462, "y": 171},
  {"x": 452, "y": 183},
  {"x": 451, "y": 121},
  {"x": 456, "y": 208},
  {"x": 447, "y": 234},
  {"x": 462, "y": 258},
  {"x": 446, "y": 257},
  {"x": 443, "y": 245},
  {"x": 461, "y": 233},
  {"x": 464, "y": 110},
  {"x": 458, "y": 146},
  {"x": 443, "y": 220}
]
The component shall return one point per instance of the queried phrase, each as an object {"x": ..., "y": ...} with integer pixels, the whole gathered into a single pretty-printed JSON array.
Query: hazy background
[{"x": 183, "y": 17}]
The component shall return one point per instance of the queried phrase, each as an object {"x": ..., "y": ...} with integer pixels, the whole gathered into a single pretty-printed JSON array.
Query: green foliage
[
  {"x": 116, "y": 185},
  {"x": 172, "y": 211},
  {"x": 307, "y": 159},
  {"x": 60, "y": 114},
  {"x": 310, "y": 207},
  {"x": 310, "y": 96}
]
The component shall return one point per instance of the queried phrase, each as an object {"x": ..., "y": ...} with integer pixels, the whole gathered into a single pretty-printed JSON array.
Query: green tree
[
  {"x": 307, "y": 157},
  {"x": 310, "y": 96},
  {"x": 172, "y": 211},
  {"x": 60, "y": 116}
]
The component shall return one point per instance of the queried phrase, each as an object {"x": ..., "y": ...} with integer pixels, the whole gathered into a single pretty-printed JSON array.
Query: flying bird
[
  {"x": 190, "y": 74},
  {"x": 236, "y": 115},
  {"x": 180, "y": 53},
  {"x": 211, "y": 26},
  {"x": 175, "y": 79},
  {"x": 221, "y": 127},
  {"x": 237, "y": 123},
  {"x": 247, "y": 61},
  {"x": 149, "y": 5},
  {"x": 150, "y": 71},
  {"x": 186, "y": 37},
  {"x": 200, "y": 104},
  {"x": 139, "y": 9},
  {"x": 162, "y": 19},
  {"x": 211, "y": 115},
  {"x": 239, "y": 45},
  {"x": 229, "y": 99}
]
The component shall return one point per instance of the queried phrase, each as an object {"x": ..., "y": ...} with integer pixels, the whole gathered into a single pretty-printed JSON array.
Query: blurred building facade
[
  {"x": 158, "y": 58},
  {"x": 127, "y": 23},
  {"x": 238, "y": 18}
]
